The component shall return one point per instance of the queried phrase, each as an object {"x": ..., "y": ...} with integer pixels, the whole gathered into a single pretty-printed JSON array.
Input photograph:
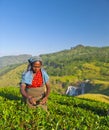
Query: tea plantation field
[{"x": 64, "y": 113}]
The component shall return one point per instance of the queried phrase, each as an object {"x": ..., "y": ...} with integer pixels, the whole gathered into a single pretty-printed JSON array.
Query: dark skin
[{"x": 36, "y": 66}]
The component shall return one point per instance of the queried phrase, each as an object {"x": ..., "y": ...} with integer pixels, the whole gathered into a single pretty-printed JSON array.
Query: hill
[
  {"x": 64, "y": 113},
  {"x": 78, "y": 61},
  {"x": 12, "y": 77},
  {"x": 68, "y": 67},
  {"x": 10, "y": 60}
]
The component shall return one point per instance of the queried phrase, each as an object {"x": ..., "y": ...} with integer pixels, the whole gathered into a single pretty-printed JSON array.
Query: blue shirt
[{"x": 27, "y": 77}]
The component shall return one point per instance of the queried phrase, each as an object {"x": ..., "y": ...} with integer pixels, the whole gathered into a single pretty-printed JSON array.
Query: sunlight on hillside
[
  {"x": 96, "y": 97},
  {"x": 101, "y": 82},
  {"x": 13, "y": 77}
]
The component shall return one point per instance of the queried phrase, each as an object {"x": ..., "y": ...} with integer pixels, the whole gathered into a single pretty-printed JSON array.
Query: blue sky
[{"x": 44, "y": 26}]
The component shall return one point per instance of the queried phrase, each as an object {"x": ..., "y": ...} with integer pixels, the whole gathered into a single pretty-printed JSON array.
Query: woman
[{"x": 35, "y": 87}]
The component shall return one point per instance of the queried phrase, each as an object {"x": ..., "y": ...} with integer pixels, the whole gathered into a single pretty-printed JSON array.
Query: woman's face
[{"x": 36, "y": 66}]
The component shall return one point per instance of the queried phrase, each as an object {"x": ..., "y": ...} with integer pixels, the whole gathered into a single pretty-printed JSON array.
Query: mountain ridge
[{"x": 13, "y": 59}]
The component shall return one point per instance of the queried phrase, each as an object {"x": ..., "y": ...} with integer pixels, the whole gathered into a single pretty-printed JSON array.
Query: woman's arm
[
  {"x": 24, "y": 93},
  {"x": 47, "y": 89},
  {"x": 23, "y": 90}
]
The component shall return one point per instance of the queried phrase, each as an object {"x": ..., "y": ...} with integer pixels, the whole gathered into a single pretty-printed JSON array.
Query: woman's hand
[
  {"x": 32, "y": 100},
  {"x": 44, "y": 100}
]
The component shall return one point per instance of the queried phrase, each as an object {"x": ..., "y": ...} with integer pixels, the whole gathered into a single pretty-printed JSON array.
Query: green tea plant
[{"x": 64, "y": 113}]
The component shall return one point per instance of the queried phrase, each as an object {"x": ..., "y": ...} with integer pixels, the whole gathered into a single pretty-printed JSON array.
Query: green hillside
[
  {"x": 59, "y": 84},
  {"x": 8, "y": 68},
  {"x": 64, "y": 113},
  {"x": 12, "y": 77},
  {"x": 68, "y": 67},
  {"x": 79, "y": 61}
]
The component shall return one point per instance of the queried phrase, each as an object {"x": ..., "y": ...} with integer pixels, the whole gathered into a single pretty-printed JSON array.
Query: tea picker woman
[{"x": 35, "y": 87}]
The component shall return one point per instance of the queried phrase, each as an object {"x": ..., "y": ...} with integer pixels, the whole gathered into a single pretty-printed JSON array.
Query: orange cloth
[{"x": 37, "y": 80}]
